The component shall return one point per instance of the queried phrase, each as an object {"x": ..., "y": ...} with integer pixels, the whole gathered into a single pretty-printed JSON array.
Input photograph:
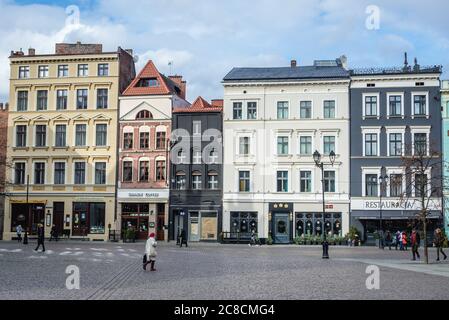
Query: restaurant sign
[{"x": 393, "y": 204}]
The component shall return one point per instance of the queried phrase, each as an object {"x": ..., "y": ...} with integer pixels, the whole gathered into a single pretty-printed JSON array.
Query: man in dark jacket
[
  {"x": 40, "y": 237},
  {"x": 415, "y": 241},
  {"x": 439, "y": 242},
  {"x": 183, "y": 239}
]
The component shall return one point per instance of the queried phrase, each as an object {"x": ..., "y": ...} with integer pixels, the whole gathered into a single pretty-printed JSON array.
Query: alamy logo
[
  {"x": 73, "y": 15},
  {"x": 372, "y": 22},
  {"x": 73, "y": 280},
  {"x": 373, "y": 280}
]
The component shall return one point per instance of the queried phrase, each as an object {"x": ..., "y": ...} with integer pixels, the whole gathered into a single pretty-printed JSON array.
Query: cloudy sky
[{"x": 206, "y": 38}]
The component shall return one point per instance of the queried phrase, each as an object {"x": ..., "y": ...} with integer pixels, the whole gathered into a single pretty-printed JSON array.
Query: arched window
[
  {"x": 196, "y": 180},
  {"x": 212, "y": 180},
  {"x": 180, "y": 180},
  {"x": 144, "y": 114}
]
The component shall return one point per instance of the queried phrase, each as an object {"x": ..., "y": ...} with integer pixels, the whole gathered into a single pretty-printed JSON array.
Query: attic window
[
  {"x": 148, "y": 82},
  {"x": 144, "y": 114}
]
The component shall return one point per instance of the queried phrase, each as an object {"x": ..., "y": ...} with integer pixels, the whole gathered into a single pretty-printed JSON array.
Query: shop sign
[
  {"x": 393, "y": 204},
  {"x": 143, "y": 194}
]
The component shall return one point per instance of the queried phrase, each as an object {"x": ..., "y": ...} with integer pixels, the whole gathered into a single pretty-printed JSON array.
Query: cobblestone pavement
[{"x": 212, "y": 271}]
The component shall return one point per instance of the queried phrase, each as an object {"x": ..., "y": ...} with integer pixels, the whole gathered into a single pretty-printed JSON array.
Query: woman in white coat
[{"x": 150, "y": 251}]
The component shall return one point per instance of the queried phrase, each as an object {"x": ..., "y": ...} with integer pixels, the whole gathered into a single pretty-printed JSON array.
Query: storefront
[
  {"x": 281, "y": 222},
  {"x": 143, "y": 211},
  {"x": 311, "y": 224},
  {"x": 200, "y": 224},
  {"x": 88, "y": 218},
  {"x": 27, "y": 215}
]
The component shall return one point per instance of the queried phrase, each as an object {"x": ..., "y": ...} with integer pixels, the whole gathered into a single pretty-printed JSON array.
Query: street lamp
[
  {"x": 319, "y": 164},
  {"x": 382, "y": 181}
]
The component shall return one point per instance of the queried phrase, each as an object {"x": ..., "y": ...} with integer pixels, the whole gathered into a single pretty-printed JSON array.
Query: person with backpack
[
  {"x": 438, "y": 241},
  {"x": 415, "y": 242},
  {"x": 149, "y": 257}
]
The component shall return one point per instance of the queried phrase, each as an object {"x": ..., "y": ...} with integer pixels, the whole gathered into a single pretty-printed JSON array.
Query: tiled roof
[
  {"x": 286, "y": 73},
  {"x": 200, "y": 105},
  {"x": 166, "y": 86}
]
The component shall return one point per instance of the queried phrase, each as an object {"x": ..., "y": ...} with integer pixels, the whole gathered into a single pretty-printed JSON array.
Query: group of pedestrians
[{"x": 54, "y": 235}]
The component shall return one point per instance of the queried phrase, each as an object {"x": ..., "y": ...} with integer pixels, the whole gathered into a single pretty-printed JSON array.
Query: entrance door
[
  {"x": 194, "y": 227},
  {"x": 281, "y": 228},
  {"x": 80, "y": 223},
  {"x": 58, "y": 216},
  {"x": 179, "y": 224},
  {"x": 160, "y": 222}
]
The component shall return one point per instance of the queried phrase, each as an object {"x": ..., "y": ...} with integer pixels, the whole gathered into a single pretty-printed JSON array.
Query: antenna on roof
[{"x": 170, "y": 64}]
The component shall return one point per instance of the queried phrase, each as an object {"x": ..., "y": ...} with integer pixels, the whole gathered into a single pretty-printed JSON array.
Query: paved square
[{"x": 212, "y": 271}]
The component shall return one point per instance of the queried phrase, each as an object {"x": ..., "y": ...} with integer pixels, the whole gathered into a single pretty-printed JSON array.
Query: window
[
  {"x": 22, "y": 100},
  {"x": 101, "y": 135},
  {"x": 80, "y": 135},
  {"x": 181, "y": 156},
  {"x": 305, "y": 181},
  {"x": 41, "y": 135},
  {"x": 243, "y": 223},
  {"x": 144, "y": 115},
  {"x": 39, "y": 173},
  {"x": 19, "y": 173},
  {"x": 43, "y": 71},
  {"x": 395, "y": 144},
  {"x": 196, "y": 180},
  {"x": 197, "y": 156},
  {"x": 102, "y": 98},
  {"x": 196, "y": 128},
  {"x": 419, "y": 105},
  {"x": 212, "y": 180},
  {"x": 100, "y": 173},
  {"x": 128, "y": 140},
  {"x": 148, "y": 82},
  {"x": 103, "y": 69},
  {"x": 237, "y": 110},
  {"x": 420, "y": 185},
  {"x": 371, "y": 186},
  {"x": 42, "y": 96},
  {"x": 144, "y": 140},
  {"x": 80, "y": 173},
  {"x": 371, "y": 144},
  {"x": 83, "y": 70},
  {"x": 97, "y": 218},
  {"x": 180, "y": 180},
  {"x": 395, "y": 185},
  {"x": 329, "y": 181},
  {"x": 282, "y": 145},
  {"x": 329, "y": 109},
  {"x": 282, "y": 181},
  {"x": 160, "y": 170},
  {"x": 24, "y": 72},
  {"x": 63, "y": 70},
  {"x": 21, "y": 136},
  {"x": 60, "y": 138},
  {"x": 282, "y": 110},
  {"x": 371, "y": 106},
  {"x": 420, "y": 144},
  {"x": 252, "y": 110},
  {"x": 395, "y": 103},
  {"x": 81, "y": 99},
  {"x": 244, "y": 181},
  {"x": 61, "y": 99},
  {"x": 144, "y": 171},
  {"x": 329, "y": 144},
  {"x": 305, "y": 146},
  {"x": 213, "y": 156},
  {"x": 305, "y": 110},
  {"x": 127, "y": 171},
  {"x": 59, "y": 173},
  {"x": 244, "y": 146}
]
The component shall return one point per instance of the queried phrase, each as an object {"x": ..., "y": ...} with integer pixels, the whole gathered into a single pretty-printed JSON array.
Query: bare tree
[{"x": 423, "y": 165}]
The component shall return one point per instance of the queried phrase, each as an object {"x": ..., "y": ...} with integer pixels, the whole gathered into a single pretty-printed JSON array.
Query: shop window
[{"x": 244, "y": 223}]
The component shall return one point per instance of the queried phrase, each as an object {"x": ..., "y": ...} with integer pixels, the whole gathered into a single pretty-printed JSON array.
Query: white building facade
[{"x": 274, "y": 120}]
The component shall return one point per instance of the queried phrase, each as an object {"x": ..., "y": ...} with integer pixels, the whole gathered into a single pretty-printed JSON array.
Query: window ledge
[
  {"x": 21, "y": 148},
  {"x": 80, "y": 148},
  {"x": 102, "y": 148},
  {"x": 40, "y": 148},
  {"x": 61, "y": 148}
]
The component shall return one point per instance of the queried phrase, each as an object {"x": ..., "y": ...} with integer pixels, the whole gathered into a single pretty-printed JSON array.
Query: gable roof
[
  {"x": 287, "y": 73},
  {"x": 200, "y": 105},
  {"x": 166, "y": 86}
]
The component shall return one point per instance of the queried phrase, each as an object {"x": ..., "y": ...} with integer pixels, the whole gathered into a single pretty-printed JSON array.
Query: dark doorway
[
  {"x": 58, "y": 216},
  {"x": 160, "y": 223}
]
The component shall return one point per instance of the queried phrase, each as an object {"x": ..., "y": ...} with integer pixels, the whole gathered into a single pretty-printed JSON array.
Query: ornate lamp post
[{"x": 319, "y": 164}]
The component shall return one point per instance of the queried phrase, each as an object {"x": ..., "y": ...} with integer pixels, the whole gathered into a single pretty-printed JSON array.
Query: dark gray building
[
  {"x": 395, "y": 113},
  {"x": 196, "y": 171}
]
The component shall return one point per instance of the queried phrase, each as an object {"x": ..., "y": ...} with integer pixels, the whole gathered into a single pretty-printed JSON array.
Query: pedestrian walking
[
  {"x": 404, "y": 241},
  {"x": 40, "y": 237},
  {"x": 381, "y": 239},
  {"x": 388, "y": 239},
  {"x": 19, "y": 231},
  {"x": 149, "y": 257},
  {"x": 438, "y": 240},
  {"x": 54, "y": 233},
  {"x": 398, "y": 240},
  {"x": 415, "y": 240},
  {"x": 254, "y": 239},
  {"x": 183, "y": 238}
]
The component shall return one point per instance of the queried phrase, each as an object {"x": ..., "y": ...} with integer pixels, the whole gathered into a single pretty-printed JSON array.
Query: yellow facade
[{"x": 58, "y": 185}]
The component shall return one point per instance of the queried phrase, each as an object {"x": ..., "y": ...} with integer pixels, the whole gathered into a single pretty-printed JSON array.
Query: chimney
[
  {"x": 31, "y": 52},
  {"x": 217, "y": 103},
  {"x": 182, "y": 84},
  {"x": 130, "y": 52},
  {"x": 293, "y": 63},
  {"x": 6, "y": 106},
  {"x": 416, "y": 67},
  {"x": 344, "y": 62}
]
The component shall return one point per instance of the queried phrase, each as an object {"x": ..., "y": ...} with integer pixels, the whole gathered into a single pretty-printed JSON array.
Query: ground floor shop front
[
  {"x": 72, "y": 216},
  {"x": 142, "y": 212},
  {"x": 282, "y": 222}
]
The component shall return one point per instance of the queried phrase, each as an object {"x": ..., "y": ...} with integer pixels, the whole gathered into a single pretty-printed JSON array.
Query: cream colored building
[
  {"x": 274, "y": 120},
  {"x": 62, "y": 139}
]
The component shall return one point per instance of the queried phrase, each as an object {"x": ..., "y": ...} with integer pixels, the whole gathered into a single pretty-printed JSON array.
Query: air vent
[
  {"x": 370, "y": 85},
  {"x": 419, "y": 84}
]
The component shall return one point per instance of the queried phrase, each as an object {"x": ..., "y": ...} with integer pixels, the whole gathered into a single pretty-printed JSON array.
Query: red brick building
[{"x": 144, "y": 129}]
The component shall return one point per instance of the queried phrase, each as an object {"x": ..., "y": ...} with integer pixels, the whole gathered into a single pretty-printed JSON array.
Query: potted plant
[
  {"x": 297, "y": 240},
  {"x": 270, "y": 240},
  {"x": 130, "y": 235}
]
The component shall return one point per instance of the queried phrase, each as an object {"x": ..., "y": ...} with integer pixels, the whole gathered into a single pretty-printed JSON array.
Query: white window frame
[
  {"x": 394, "y": 170},
  {"x": 400, "y": 130},
  {"x": 336, "y": 172},
  {"x": 127, "y": 159},
  {"x": 420, "y": 129},
  {"x": 74, "y": 172},
  {"x": 54, "y": 171},
  {"x": 373, "y": 94},
  {"x": 336, "y": 108},
  {"x": 144, "y": 159},
  {"x": 35, "y": 135},
  {"x": 33, "y": 172},
  {"x": 245, "y": 111},
  {"x": 288, "y": 108},
  {"x": 237, "y": 179},
  {"x": 420, "y": 93},
  {"x": 312, "y": 179},
  {"x": 289, "y": 138},
  {"x": 370, "y": 170},
  {"x": 289, "y": 180},
  {"x": 13, "y": 171},
  {"x": 302, "y": 135},
  {"x": 371, "y": 130},
  {"x": 311, "y": 109},
  {"x": 93, "y": 172},
  {"x": 401, "y": 94},
  {"x": 428, "y": 172}
]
